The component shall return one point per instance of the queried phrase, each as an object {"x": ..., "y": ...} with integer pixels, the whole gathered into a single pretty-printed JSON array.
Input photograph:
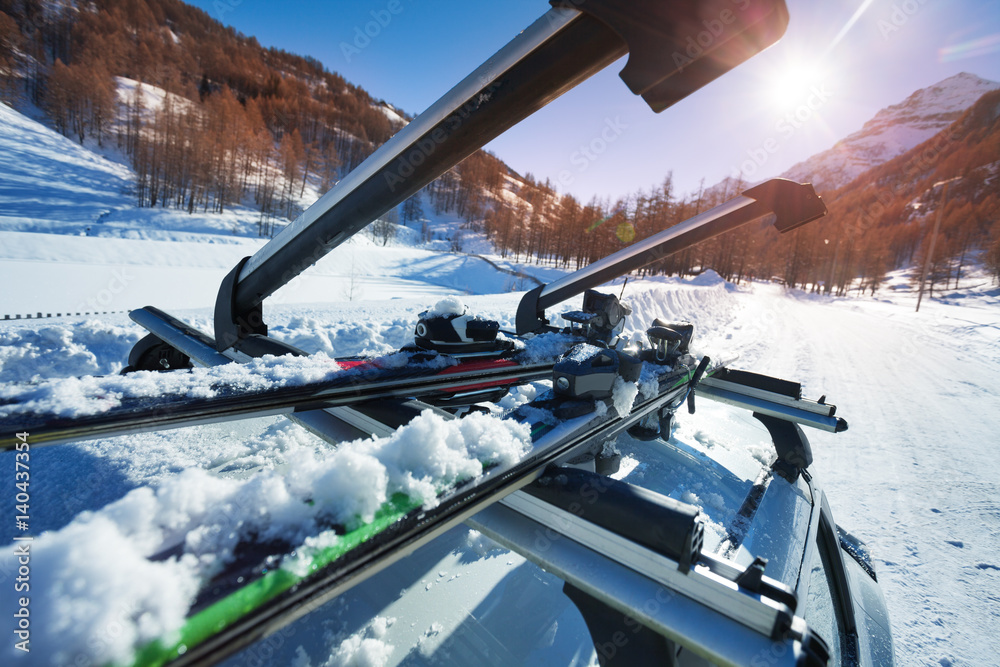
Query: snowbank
[{"x": 107, "y": 583}]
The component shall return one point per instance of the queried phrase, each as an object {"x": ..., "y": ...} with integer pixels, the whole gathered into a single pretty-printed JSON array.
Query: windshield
[{"x": 459, "y": 600}]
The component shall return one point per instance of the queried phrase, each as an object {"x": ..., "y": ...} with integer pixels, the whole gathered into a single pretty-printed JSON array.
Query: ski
[
  {"x": 65, "y": 411},
  {"x": 451, "y": 363},
  {"x": 252, "y": 597}
]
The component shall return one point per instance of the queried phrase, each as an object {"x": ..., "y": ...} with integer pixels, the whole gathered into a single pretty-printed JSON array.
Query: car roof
[{"x": 718, "y": 459}]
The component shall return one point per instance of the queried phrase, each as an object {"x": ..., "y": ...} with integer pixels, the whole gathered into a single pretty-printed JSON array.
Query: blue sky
[{"x": 890, "y": 49}]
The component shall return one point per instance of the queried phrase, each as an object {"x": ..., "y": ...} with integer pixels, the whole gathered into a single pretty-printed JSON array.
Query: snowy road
[{"x": 916, "y": 474}]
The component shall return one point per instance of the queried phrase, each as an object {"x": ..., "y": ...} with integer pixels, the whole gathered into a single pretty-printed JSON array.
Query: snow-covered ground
[
  {"x": 915, "y": 475},
  {"x": 67, "y": 213}
]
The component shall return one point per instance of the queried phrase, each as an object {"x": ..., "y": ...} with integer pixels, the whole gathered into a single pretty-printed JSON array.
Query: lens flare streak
[{"x": 970, "y": 49}]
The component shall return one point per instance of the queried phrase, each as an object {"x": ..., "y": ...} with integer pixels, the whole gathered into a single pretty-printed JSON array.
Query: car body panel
[
  {"x": 779, "y": 530},
  {"x": 874, "y": 636}
]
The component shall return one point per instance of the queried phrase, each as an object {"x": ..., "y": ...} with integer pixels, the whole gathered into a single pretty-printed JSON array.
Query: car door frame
[{"x": 822, "y": 523}]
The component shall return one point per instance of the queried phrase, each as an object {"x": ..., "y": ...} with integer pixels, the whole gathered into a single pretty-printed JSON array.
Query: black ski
[
  {"x": 425, "y": 375},
  {"x": 421, "y": 374},
  {"x": 265, "y": 599}
]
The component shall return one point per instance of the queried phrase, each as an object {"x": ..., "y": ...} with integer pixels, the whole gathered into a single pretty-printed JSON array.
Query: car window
[
  {"x": 823, "y": 604},
  {"x": 458, "y": 600}
]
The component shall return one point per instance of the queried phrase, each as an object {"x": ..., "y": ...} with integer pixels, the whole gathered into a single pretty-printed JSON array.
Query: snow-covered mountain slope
[
  {"x": 48, "y": 182},
  {"x": 52, "y": 185},
  {"x": 893, "y": 131},
  {"x": 68, "y": 212}
]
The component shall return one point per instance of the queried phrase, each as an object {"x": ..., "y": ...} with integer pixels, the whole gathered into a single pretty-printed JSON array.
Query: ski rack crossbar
[
  {"x": 298, "y": 401},
  {"x": 319, "y": 229},
  {"x": 333, "y": 424},
  {"x": 564, "y": 47},
  {"x": 793, "y": 205},
  {"x": 647, "y": 586},
  {"x": 797, "y": 410}
]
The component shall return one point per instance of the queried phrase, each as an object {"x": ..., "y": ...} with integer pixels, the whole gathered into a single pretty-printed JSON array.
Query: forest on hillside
[
  {"x": 215, "y": 119},
  {"x": 882, "y": 221}
]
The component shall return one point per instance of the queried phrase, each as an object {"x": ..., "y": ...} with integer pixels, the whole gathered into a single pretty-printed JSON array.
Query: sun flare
[{"x": 791, "y": 86}]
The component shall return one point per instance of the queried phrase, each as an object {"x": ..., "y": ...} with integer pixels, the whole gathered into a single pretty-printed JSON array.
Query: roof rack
[
  {"x": 631, "y": 558},
  {"x": 627, "y": 589}
]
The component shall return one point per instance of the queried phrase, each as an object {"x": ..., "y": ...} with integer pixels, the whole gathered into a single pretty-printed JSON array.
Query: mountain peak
[
  {"x": 893, "y": 131},
  {"x": 950, "y": 96}
]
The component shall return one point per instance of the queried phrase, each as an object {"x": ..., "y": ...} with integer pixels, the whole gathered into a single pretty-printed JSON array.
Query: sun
[{"x": 791, "y": 85}]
